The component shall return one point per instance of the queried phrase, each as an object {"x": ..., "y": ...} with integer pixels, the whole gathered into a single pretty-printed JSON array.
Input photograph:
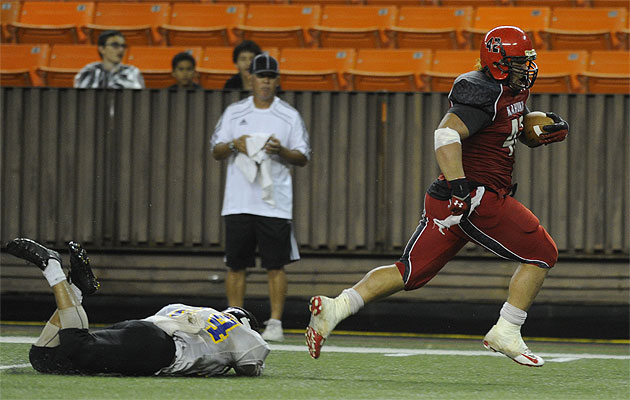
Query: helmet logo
[{"x": 493, "y": 45}]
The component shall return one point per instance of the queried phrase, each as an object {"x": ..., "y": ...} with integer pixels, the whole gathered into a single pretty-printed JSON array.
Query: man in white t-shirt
[{"x": 261, "y": 137}]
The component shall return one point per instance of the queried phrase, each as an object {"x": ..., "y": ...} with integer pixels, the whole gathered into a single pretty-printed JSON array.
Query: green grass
[{"x": 293, "y": 375}]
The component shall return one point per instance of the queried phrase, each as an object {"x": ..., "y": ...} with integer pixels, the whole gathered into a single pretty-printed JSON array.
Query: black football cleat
[
  {"x": 80, "y": 271},
  {"x": 31, "y": 251}
]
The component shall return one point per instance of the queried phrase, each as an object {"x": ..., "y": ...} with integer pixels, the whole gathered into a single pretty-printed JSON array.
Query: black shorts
[
  {"x": 126, "y": 348},
  {"x": 272, "y": 236}
]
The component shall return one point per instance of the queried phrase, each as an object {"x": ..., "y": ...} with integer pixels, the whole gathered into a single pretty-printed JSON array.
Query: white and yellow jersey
[{"x": 209, "y": 342}]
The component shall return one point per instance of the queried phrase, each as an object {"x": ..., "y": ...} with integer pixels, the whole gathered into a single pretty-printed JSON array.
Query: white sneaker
[
  {"x": 273, "y": 331},
  {"x": 324, "y": 317},
  {"x": 512, "y": 345}
]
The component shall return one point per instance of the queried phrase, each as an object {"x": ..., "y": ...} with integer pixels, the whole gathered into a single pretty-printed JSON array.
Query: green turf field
[{"x": 355, "y": 367}]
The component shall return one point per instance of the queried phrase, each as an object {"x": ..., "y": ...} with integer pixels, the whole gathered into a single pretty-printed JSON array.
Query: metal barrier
[{"x": 119, "y": 169}]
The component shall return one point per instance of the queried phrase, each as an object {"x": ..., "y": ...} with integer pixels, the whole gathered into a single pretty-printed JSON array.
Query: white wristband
[{"x": 444, "y": 136}]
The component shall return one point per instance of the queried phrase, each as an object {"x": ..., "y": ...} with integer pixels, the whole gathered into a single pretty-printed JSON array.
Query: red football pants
[{"x": 500, "y": 224}]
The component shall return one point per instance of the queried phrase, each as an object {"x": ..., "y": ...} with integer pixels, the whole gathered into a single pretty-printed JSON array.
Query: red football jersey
[{"x": 488, "y": 153}]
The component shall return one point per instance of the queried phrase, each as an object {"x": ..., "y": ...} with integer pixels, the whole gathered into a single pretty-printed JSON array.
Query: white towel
[
  {"x": 257, "y": 163},
  {"x": 455, "y": 219}
]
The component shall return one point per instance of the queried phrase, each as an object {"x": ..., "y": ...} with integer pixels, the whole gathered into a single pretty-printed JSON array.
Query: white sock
[
  {"x": 273, "y": 321},
  {"x": 513, "y": 314},
  {"x": 73, "y": 317},
  {"x": 53, "y": 272},
  {"x": 349, "y": 302}
]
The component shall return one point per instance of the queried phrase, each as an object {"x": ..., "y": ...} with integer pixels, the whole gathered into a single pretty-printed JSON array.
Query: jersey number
[
  {"x": 218, "y": 324},
  {"x": 218, "y": 327},
  {"x": 517, "y": 123}
]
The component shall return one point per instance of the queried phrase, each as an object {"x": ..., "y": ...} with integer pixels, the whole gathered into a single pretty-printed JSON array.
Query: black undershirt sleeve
[{"x": 474, "y": 118}]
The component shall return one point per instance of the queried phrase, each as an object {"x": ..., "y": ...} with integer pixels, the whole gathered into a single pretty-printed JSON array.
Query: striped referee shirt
[{"x": 123, "y": 76}]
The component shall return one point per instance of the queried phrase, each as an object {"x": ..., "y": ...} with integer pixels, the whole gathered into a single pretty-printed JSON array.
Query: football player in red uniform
[{"x": 471, "y": 199}]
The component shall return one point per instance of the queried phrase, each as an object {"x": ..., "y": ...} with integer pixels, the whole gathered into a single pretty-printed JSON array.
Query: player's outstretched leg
[
  {"x": 505, "y": 338},
  {"x": 326, "y": 313},
  {"x": 81, "y": 274}
]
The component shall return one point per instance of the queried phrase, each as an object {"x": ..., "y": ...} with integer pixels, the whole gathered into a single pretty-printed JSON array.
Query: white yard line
[
  {"x": 551, "y": 357},
  {"x": 2, "y": 367},
  {"x": 389, "y": 352}
]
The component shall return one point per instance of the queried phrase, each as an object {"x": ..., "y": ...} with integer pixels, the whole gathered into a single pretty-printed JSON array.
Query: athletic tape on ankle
[
  {"x": 73, "y": 317},
  {"x": 513, "y": 314},
  {"x": 354, "y": 299}
]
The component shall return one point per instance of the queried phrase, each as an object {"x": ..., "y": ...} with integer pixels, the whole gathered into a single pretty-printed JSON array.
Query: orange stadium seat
[
  {"x": 19, "y": 62},
  {"x": 138, "y": 22},
  {"x": 315, "y": 69},
  {"x": 392, "y": 70},
  {"x": 398, "y": 3},
  {"x": 52, "y": 22},
  {"x": 550, "y": 3},
  {"x": 431, "y": 27},
  {"x": 354, "y": 26},
  {"x": 328, "y": 2},
  {"x": 217, "y": 65},
  {"x": 558, "y": 71},
  {"x": 279, "y": 25},
  {"x": 447, "y": 65},
  {"x": 155, "y": 63},
  {"x": 609, "y": 3},
  {"x": 624, "y": 36},
  {"x": 585, "y": 28},
  {"x": 474, "y": 3},
  {"x": 530, "y": 19},
  {"x": 194, "y": 24},
  {"x": 607, "y": 72},
  {"x": 10, "y": 13},
  {"x": 65, "y": 61},
  {"x": 248, "y": 2}
]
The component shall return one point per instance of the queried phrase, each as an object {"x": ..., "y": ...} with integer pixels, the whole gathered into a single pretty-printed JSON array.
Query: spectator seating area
[{"x": 401, "y": 45}]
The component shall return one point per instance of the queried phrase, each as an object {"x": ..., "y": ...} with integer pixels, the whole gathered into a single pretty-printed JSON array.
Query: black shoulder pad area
[{"x": 475, "y": 89}]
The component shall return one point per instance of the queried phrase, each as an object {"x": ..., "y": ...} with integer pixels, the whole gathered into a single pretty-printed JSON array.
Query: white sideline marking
[
  {"x": 551, "y": 357},
  {"x": 2, "y": 367},
  {"x": 388, "y": 352},
  {"x": 18, "y": 339}
]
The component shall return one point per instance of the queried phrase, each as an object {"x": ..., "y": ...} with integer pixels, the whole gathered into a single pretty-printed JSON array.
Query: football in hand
[{"x": 533, "y": 126}]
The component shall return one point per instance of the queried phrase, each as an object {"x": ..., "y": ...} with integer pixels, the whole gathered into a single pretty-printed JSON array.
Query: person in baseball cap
[{"x": 264, "y": 65}]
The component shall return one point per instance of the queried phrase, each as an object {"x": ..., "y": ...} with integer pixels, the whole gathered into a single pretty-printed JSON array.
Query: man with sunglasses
[
  {"x": 110, "y": 73},
  {"x": 260, "y": 137}
]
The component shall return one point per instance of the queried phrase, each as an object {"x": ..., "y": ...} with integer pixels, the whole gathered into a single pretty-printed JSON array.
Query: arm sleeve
[
  {"x": 474, "y": 118},
  {"x": 473, "y": 99},
  {"x": 299, "y": 139},
  {"x": 221, "y": 132},
  {"x": 85, "y": 77},
  {"x": 139, "y": 79}
]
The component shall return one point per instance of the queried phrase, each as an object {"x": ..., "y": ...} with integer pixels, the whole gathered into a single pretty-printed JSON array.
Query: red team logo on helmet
[{"x": 507, "y": 53}]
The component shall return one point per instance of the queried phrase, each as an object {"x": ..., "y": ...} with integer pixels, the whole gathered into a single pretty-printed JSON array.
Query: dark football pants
[
  {"x": 500, "y": 224},
  {"x": 127, "y": 348}
]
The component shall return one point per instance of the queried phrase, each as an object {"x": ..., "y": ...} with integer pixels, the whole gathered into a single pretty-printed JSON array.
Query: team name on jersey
[{"x": 515, "y": 108}]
